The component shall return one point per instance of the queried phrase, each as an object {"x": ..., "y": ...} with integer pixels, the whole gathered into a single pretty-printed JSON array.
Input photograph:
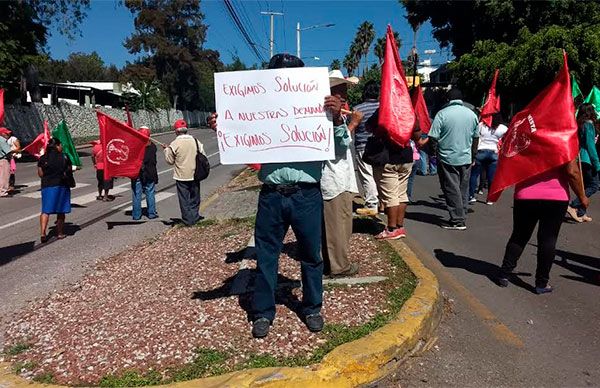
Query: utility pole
[
  {"x": 272, "y": 40},
  {"x": 415, "y": 56},
  {"x": 298, "y": 29}
]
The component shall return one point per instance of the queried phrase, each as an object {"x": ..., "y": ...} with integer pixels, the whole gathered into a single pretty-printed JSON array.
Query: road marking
[
  {"x": 38, "y": 194},
  {"x": 19, "y": 221},
  {"x": 159, "y": 197},
  {"x": 498, "y": 329}
]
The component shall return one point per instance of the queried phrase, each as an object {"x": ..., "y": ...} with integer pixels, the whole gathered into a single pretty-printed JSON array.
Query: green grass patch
[
  {"x": 206, "y": 222},
  {"x": 20, "y": 366},
  {"x": 44, "y": 378},
  {"x": 132, "y": 379},
  {"x": 17, "y": 349},
  {"x": 208, "y": 362}
]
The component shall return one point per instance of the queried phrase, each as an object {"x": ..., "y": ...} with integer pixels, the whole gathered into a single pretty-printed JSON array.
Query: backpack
[{"x": 202, "y": 165}]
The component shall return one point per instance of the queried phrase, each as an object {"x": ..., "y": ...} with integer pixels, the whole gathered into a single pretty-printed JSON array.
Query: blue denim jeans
[
  {"x": 591, "y": 183},
  {"x": 485, "y": 159},
  {"x": 411, "y": 182},
  {"x": 422, "y": 163},
  {"x": 137, "y": 188},
  {"x": 303, "y": 211}
]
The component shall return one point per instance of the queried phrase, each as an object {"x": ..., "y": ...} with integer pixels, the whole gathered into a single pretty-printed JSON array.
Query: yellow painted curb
[{"x": 363, "y": 361}]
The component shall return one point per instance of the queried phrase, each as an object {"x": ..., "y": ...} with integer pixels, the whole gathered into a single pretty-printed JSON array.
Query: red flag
[
  {"x": 123, "y": 147},
  {"x": 541, "y": 137},
  {"x": 129, "y": 119},
  {"x": 396, "y": 114},
  {"x": 492, "y": 104},
  {"x": 37, "y": 147},
  {"x": 1, "y": 106},
  {"x": 418, "y": 103}
]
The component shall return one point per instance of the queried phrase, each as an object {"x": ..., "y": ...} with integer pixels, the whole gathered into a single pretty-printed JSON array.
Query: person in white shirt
[
  {"x": 338, "y": 187},
  {"x": 486, "y": 158}
]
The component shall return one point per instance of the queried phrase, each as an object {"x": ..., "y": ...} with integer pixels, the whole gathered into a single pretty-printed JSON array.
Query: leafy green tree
[
  {"x": 380, "y": 46},
  {"x": 150, "y": 96},
  {"x": 530, "y": 63},
  {"x": 363, "y": 40},
  {"x": 352, "y": 59},
  {"x": 335, "y": 65},
  {"x": 171, "y": 33},
  {"x": 24, "y": 26},
  {"x": 459, "y": 24}
]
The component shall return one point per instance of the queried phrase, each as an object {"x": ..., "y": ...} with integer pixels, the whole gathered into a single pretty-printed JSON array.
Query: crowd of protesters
[{"x": 316, "y": 199}]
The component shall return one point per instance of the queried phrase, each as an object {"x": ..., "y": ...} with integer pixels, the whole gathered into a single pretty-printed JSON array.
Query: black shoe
[
  {"x": 502, "y": 281},
  {"x": 453, "y": 225},
  {"x": 314, "y": 322},
  {"x": 353, "y": 270},
  {"x": 260, "y": 328}
]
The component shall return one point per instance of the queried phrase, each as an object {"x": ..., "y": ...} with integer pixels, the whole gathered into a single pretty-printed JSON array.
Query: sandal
[{"x": 44, "y": 239}]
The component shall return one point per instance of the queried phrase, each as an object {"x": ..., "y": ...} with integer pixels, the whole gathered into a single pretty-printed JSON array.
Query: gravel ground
[{"x": 153, "y": 305}]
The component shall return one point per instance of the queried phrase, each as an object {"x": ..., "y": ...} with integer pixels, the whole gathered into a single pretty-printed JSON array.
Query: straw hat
[{"x": 337, "y": 78}]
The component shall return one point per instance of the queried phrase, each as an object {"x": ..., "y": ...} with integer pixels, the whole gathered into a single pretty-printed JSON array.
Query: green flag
[
  {"x": 594, "y": 99},
  {"x": 61, "y": 132},
  {"x": 575, "y": 88}
]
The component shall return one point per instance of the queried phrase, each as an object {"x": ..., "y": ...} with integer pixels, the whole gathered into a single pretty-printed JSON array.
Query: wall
[{"x": 26, "y": 121}]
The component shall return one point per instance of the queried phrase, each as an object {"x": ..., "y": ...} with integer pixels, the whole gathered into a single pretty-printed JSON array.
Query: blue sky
[{"x": 108, "y": 24}]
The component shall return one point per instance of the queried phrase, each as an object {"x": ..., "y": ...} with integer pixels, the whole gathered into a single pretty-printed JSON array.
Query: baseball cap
[
  {"x": 145, "y": 130},
  {"x": 180, "y": 124}
]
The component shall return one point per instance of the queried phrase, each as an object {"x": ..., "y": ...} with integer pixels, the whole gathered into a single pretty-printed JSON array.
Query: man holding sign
[{"x": 290, "y": 195}]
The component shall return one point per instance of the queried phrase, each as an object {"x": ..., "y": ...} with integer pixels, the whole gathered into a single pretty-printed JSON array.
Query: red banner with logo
[
  {"x": 123, "y": 148},
  {"x": 38, "y": 146},
  {"x": 541, "y": 137}
]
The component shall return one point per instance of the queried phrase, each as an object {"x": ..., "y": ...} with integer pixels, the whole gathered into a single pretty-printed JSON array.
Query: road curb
[{"x": 363, "y": 361}]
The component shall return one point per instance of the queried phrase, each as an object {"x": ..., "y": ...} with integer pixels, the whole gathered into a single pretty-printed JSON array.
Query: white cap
[{"x": 336, "y": 77}]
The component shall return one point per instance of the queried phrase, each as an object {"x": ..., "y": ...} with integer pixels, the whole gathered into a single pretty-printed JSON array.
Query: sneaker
[
  {"x": 260, "y": 328},
  {"x": 472, "y": 200},
  {"x": 314, "y": 322},
  {"x": 490, "y": 203},
  {"x": 502, "y": 281},
  {"x": 480, "y": 192},
  {"x": 367, "y": 211},
  {"x": 544, "y": 290},
  {"x": 572, "y": 212},
  {"x": 393, "y": 235},
  {"x": 453, "y": 225},
  {"x": 586, "y": 218}
]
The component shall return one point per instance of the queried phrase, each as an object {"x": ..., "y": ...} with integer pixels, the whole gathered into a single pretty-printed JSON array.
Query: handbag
[
  {"x": 202, "y": 165},
  {"x": 376, "y": 153}
]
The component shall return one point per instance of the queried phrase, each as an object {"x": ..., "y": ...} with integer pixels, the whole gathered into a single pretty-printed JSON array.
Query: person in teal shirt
[
  {"x": 590, "y": 163},
  {"x": 290, "y": 196},
  {"x": 455, "y": 130}
]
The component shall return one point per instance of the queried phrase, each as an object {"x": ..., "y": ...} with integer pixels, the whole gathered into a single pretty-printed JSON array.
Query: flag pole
[{"x": 157, "y": 142}]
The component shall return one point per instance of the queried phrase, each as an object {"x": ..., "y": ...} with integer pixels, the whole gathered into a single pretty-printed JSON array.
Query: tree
[
  {"x": 352, "y": 59},
  {"x": 24, "y": 29},
  {"x": 459, "y": 24},
  {"x": 530, "y": 63},
  {"x": 379, "y": 49},
  {"x": 355, "y": 92},
  {"x": 363, "y": 40},
  {"x": 172, "y": 34},
  {"x": 150, "y": 96},
  {"x": 335, "y": 65}
]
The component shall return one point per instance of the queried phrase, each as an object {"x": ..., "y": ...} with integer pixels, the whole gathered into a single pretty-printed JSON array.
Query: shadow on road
[
  {"x": 586, "y": 274},
  {"x": 427, "y": 218},
  {"x": 9, "y": 253}
]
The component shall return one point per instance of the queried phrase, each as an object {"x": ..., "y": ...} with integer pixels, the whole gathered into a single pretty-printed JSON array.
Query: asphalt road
[
  {"x": 95, "y": 229},
  {"x": 492, "y": 336}
]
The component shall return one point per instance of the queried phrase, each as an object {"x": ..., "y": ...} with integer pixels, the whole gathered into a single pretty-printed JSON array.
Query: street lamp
[{"x": 298, "y": 29}]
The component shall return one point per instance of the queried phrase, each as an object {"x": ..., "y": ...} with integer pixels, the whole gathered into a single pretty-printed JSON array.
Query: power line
[
  {"x": 284, "y": 28},
  {"x": 240, "y": 26},
  {"x": 247, "y": 21}
]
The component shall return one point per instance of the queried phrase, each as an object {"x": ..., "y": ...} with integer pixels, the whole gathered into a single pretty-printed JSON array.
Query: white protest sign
[{"x": 271, "y": 116}]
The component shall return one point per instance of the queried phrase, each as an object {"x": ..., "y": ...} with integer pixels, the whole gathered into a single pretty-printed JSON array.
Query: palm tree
[
  {"x": 364, "y": 38},
  {"x": 380, "y": 46},
  {"x": 349, "y": 64},
  {"x": 335, "y": 64}
]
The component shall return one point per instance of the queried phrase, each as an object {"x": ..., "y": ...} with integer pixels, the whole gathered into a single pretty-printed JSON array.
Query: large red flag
[
  {"x": 420, "y": 107},
  {"x": 1, "y": 106},
  {"x": 38, "y": 146},
  {"x": 396, "y": 114},
  {"x": 123, "y": 147},
  {"x": 492, "y": 104},
  {"x": 541, "y": 137}
]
